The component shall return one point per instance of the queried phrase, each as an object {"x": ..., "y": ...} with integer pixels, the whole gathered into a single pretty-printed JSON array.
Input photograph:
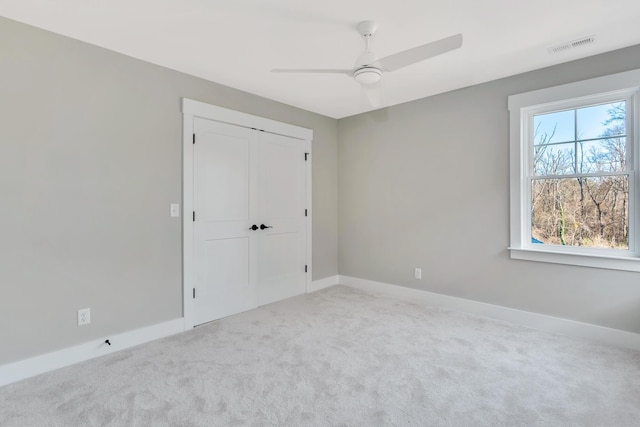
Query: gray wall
[
  {"x": 90, "y": 159},
  {"x": 426, "y": 184}
]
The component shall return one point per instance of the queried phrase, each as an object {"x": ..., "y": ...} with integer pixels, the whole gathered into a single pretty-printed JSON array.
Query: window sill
[{"x": 624, "y": 263}]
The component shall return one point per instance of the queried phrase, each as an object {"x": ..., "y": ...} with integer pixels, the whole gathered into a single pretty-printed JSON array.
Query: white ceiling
[{"x": 237, "y": 42}]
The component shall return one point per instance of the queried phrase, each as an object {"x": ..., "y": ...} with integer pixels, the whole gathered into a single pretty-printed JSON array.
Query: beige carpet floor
[{"x": 341, "y": 357}]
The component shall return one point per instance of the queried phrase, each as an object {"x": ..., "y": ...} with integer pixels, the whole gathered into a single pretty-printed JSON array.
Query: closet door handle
[
  {"x": 253, "y": 227},
  {"x": 262, "y": 226}
]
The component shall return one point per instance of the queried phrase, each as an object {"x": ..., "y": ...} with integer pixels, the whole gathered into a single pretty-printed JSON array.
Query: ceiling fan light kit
[
  {"x": 367, "y": 75},
  {"x": 368, "y": 70}
]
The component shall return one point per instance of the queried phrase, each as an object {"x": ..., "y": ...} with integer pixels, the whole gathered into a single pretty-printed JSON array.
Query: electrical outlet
[
  {"x": 84, "y": 316},
  {"x": 418, "y": 273}
]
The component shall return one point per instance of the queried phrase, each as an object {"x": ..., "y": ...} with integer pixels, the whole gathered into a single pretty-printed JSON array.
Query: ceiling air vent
[{"x": 572, "y": 45}]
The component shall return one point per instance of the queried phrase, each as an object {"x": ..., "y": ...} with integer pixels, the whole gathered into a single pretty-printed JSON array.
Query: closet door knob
[
  {"x": 262, "y": 226},
  {"x": 253, "y": 227}
]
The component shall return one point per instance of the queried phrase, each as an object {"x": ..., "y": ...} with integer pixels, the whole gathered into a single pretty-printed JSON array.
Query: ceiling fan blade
[
  {"x": 373, "y": 93},
  {"x": 312, "y": 71},
  {"x": 418, "y": 54}
]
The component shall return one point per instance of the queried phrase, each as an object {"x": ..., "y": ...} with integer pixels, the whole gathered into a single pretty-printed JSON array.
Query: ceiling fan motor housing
[{"x": 367, "y": 75}]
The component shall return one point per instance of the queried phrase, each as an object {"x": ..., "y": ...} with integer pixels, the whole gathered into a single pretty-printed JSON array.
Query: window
[{"x": 575, "y": 190}]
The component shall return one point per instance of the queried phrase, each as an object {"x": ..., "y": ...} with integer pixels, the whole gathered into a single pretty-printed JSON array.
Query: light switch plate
[{"x": 175, "y": 209}]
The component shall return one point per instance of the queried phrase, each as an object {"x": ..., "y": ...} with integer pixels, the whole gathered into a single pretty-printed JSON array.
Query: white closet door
[
  {"x": 281, "y": 205},
  {"x": 225, "y": 280},
  {"x": 244, "y": 177}
]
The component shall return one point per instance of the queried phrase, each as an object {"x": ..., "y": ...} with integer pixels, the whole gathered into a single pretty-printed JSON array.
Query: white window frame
[{"x": 522, "y": 108}]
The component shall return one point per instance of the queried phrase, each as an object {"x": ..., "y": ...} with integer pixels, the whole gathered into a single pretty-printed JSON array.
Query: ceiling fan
[{"x": 368, "y": 70}]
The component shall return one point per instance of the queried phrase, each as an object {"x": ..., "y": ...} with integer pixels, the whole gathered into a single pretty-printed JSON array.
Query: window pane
[
  {"x": 554, "y": 127},
  {"x": 601, "y": 120},
  {"x": 602, "y": 155},
  {"x": 589, "y": 212},
  {"x": 556, "y": 159}
]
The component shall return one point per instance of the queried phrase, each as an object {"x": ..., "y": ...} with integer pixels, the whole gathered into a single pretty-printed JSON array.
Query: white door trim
[{"x": 190, "y": 110}]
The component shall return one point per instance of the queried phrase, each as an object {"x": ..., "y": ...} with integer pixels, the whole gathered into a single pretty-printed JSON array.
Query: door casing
[{"x": 190, "y": 110}]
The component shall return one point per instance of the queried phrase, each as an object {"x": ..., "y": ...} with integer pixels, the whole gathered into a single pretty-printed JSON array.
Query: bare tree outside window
[{"x": 580, "y": 184}]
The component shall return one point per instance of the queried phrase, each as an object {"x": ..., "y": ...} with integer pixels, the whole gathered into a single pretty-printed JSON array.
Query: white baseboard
[
  {"x": 533, "y": 320},
  {"x": 316, "y": 285},
  {"x": 22, "y": 369}
]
